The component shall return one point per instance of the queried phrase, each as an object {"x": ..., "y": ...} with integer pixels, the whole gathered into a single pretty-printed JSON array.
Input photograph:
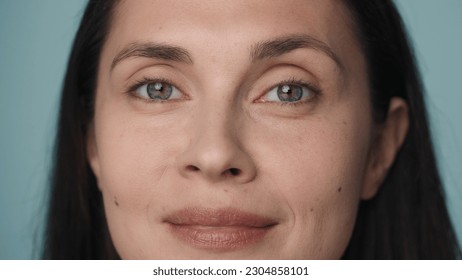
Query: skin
[{"x": 306, "y": 166}]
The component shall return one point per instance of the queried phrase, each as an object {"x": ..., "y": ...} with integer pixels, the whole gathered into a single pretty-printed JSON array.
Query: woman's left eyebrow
[{"x": 285, "y": 44}]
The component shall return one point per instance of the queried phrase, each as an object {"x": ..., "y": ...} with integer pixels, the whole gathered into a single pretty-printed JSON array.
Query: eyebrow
[
  {"x": 259, "y": 51},
  {"x": 153, "y": 50},
  {"x": 282, "y": 45}
]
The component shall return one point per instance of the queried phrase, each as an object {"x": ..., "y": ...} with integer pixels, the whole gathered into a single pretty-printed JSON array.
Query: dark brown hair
[{"x": 406, "y": 220}]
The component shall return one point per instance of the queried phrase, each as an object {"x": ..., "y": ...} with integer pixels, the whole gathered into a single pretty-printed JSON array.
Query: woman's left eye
[
  {"x": 158, "y": 91},
  {"x": 288, "y": 93}
]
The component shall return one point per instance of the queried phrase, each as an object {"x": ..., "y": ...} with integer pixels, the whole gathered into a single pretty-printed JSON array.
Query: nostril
[
  {"x": 234, "y": 171},
  {"x": 192, "y": 168},
  {"x": 230, "y": 172}
]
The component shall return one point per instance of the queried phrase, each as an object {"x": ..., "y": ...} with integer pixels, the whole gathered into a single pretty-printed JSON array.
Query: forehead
[{"x": 228, "y": 23}]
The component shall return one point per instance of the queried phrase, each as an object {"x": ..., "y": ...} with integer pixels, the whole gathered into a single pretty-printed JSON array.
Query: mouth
[{"x": 218, "y": 229}]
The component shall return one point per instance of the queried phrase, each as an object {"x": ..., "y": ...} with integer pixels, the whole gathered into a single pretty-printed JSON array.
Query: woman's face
[{"x": 231, "y": 129}]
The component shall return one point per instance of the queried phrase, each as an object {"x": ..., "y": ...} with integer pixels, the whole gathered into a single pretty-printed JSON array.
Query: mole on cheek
[
  {"x": 339, "y": 189},
  {"x": 312, "y": 209},
  {"x": 116, "y": 202}
]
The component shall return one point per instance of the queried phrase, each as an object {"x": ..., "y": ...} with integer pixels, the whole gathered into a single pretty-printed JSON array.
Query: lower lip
[{"x": 219, "y": 238}]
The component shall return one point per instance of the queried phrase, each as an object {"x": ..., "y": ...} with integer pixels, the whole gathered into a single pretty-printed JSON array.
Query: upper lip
[{"x": 223, "y": 217}]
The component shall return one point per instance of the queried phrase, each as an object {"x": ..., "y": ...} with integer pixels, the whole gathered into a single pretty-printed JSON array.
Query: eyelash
[
  {"x": 292, "y": 81},
  {"x": 317, "y": 92},
  {"x": 131, "y": 90}
]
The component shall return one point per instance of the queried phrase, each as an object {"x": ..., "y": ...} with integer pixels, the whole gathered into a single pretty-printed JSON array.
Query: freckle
[
  {"x": 312, "y": 209},
  {"x": 339, "y": 189},
  {"x": 226, "y": 190},
  {"x": 344, "y": 122}
]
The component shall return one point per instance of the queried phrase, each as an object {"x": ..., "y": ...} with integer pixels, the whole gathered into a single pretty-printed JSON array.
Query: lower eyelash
[{"x": 295, "y": 104}]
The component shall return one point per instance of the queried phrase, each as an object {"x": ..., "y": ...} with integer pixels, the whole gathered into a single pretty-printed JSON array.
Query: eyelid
[{"x": 146, "y": 80}]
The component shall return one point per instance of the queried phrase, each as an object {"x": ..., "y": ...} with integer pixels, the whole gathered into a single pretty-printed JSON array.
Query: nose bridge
[
  {"x": 217, "y": 121},
  {"x": 216, "y": 151}
]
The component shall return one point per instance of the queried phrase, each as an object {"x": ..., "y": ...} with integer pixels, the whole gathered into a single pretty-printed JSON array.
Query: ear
[
  {"x": 389, "y": 137},
  {"x": 92, "y": 151}
]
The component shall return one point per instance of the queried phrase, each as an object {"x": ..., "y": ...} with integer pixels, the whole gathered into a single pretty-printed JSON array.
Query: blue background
[{"x": 35, "y": 39}]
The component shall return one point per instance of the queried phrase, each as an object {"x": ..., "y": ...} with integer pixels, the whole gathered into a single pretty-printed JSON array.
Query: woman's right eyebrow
[{"x": 153, "y": 50}]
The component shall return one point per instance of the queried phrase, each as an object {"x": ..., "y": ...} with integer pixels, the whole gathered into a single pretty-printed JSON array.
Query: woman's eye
[
  {"x": 159, "y": 91},
  {"x": 288, "y": 93}
]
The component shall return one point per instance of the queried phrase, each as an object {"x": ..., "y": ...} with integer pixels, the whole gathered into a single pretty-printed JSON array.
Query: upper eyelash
[
  {"x": 297, "y": 82},
  {"x": 146, "y": 80}
]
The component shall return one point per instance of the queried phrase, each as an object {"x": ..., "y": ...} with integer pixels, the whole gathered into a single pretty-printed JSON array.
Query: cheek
[
  {"x": 133, "y": 159},
  {"x": 318, "y": 169},
  {"x": 134, "y": 153}
]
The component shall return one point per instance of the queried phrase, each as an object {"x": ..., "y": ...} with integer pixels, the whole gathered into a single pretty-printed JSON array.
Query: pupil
[
  {"x": 290, "y": 93},
  {"x": 159, "y": 91}
]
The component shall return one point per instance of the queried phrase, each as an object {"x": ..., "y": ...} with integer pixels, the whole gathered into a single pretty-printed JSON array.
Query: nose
[{"x": 216, "y": 152}]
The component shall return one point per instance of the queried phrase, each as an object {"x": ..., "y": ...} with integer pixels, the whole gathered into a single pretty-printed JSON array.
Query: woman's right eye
[{"x": 158, "y": 91}]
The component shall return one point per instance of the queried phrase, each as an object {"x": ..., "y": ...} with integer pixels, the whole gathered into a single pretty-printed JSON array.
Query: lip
[{"x": 218, "y": 229}]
